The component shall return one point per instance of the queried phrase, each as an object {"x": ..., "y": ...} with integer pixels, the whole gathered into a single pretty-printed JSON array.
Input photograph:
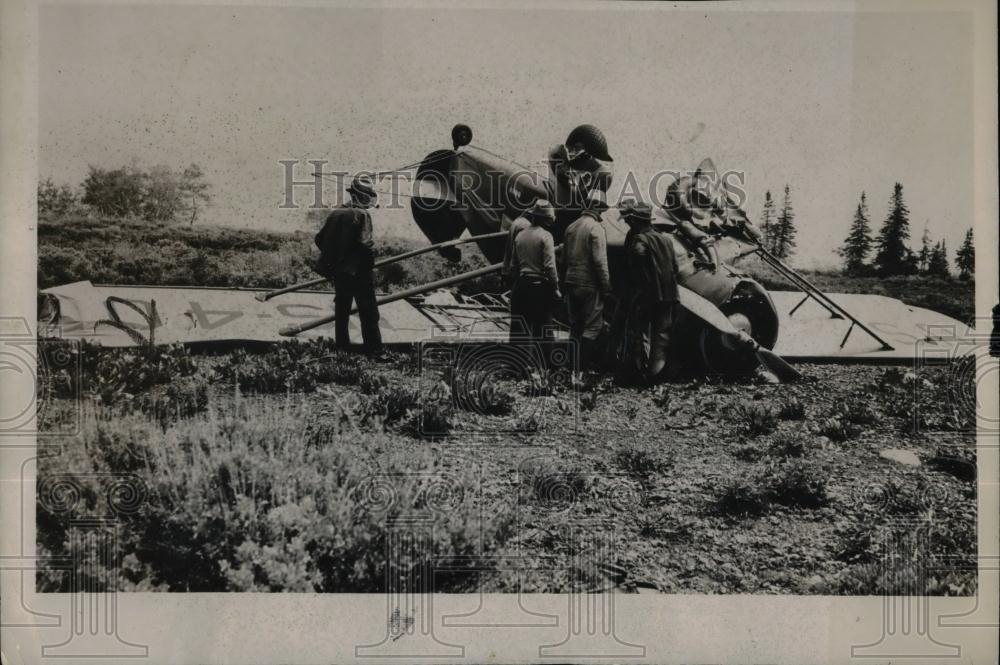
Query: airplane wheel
[
  {"x": 749, "y": 309},
  {"x": 720, "y": 357}
]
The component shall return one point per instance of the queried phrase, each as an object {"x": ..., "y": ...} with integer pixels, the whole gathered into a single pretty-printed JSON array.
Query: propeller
[{"x": 714, "y": 317}]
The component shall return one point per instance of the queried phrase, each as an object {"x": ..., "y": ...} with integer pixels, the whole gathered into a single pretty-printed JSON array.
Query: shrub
[
  {"x": 528, "y": 423},
  {"x": 181, "y": 398},
  {"x": 371, "y": 383},
  {"x": 289, "y": 367},
  {"x": 838, "y": 430},
  {"x": 750, "y": 452},
  {"x": 641, "y": 463},
  {"x": 890, "y": 561},
  {"x": 393, "y": 403},
  {"x": 788, "y": 444},
  {"x": 664, "y": 523},
  {"x": 343, "y": 367},
  {"x": 553, "y": 481},
  {"x": 802, "y": 484},
  {"x": 272, "y": 502},
  {"x": 756, "y": 418},
  {"x": 134, "y": 370},
  {"x": 857, "y": 412},
  {"x": 488, "y": 397},
  {"x": 792, "y": 409},
  {"x": 960, "y": 463},
  {"x": 432, "y": 419},
  {"x": 790, "y": 483},
  {"x": 744, "y": 497}
]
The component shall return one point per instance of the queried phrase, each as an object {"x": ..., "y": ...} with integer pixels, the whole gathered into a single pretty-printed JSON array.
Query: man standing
[
  {"x": 536, "y": 282},
  {"x": 347, "y": 257},
  {"x": 652, "y": 270},
  {"x": 518, "y": 225},
  {"x": 587, "y": 280}
]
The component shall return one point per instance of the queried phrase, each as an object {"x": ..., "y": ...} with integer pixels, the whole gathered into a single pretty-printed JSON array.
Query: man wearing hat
[
  {"x": 652, "y": 272},
  {"x": 347, "y": 257},
  {"x": 536, "y": 282},
  {"x": 586, "y": 277}
]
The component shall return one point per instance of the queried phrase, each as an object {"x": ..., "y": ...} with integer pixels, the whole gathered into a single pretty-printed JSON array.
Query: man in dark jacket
[
  {"x": 652, "y": 269},
  {"x": 347, "y": 254}
]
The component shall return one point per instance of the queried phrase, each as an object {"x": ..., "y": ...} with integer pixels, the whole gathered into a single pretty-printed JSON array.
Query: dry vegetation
[{"x": 288, "y": 475}]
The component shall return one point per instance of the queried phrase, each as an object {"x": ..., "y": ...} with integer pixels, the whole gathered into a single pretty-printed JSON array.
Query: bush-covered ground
[
  {"x": 114, "y": 251},
  {"x": 288, "y": 470},
  {"x": 953, "y": 297}
]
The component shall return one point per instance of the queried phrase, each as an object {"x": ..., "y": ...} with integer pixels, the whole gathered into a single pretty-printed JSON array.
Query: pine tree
[
  {"x": 767, "y": 223},
  {"x": 858, "y": 244},
  {"x": 784, "y": 244},
  {"x": 924, "y": 257},
  {"x": 965, "y": 258},
  {"x": 937, "y": 265},
  {"x": 891, "y": 257}
]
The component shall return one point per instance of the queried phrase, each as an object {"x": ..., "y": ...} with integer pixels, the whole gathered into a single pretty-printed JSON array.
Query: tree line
[
  {"x": 159, "y": 194},
  {"x": 892, "y": 254}
]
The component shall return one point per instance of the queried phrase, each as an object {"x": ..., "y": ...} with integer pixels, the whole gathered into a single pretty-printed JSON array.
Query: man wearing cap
[
  {"x": 652, "y": 272},
  {"x": 347, "y": 256},
  {"x": 536, "y": 282},
  {"x": 586, "y": 277}
]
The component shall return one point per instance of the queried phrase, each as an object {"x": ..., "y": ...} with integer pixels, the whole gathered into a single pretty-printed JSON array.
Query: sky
[{"x": 828, "y": 102}]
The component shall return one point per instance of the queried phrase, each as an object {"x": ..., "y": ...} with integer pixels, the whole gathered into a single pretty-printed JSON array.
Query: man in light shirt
[
  {"x": 586, "y": 277},
  {"x": 536, "y": 281}
]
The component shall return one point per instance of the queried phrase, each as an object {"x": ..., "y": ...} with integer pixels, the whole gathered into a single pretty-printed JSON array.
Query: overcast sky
[{"x": 829, "y": 102}]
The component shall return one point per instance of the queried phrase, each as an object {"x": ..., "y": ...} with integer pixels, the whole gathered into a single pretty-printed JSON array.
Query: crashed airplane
[{"x": 733, "y": 322}]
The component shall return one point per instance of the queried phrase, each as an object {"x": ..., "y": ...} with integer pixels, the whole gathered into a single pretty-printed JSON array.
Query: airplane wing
[{"x": 213, "y": 315}]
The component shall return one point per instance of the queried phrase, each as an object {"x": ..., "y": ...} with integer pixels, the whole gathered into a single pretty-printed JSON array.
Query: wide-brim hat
[
  {"x": 363, "y": 185},
  {"x": 638, "y": 211},
  {"x": 542, "y": 211}
]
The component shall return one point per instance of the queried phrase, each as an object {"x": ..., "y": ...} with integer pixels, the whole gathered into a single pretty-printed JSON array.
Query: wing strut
[
  {"x": 263, "y": 297},
  {"x": 812, "y": 291},
  {"x": 292, "y": 331}
]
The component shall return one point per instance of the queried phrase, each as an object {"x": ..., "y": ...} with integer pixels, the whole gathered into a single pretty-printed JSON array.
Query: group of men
[
  {"x": 577, "y": 275},
  {"x": 541, "y": 276}
]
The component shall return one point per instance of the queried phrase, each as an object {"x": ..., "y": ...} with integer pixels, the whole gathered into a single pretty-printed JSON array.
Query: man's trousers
[{"x": 358, "y": 288}]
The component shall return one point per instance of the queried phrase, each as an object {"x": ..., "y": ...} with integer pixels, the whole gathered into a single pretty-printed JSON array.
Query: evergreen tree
[
  {"x": 858, "y": 244},
  {"x": 924, "y": 257},
  {"x": 965, "y": 258},
  {"x": 195, "y": 190},
  {"x": 937, "y": 265},
  {"x": 892, "y": 255},
  {"x": 784, "y": 243},
  {"x": 767, "y": 223}
]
